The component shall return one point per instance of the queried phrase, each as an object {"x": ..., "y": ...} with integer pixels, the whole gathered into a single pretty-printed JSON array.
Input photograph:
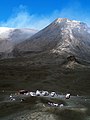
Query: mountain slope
[
  {"x": 9, "y": 37},
  {"x": 64, "y": 37},
  {"x": 16, "y": 35}
]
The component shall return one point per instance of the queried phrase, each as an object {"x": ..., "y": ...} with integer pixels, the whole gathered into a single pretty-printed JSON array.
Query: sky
[{"x": 37, "y": 14}]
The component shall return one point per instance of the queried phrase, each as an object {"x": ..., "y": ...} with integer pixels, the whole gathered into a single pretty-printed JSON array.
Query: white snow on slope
[{"x": 75, "y": 35}]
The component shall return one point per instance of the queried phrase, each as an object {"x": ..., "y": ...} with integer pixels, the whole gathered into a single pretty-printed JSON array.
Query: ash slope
[{"x": 64, "y": 37}]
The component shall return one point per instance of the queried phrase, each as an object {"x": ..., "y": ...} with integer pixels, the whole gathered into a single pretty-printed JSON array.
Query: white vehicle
[
  {"x": 45, "y": 93},
  {"x": 32, "y": 93},
  {"x": 55, "y": 104},
  {"x": 11, "y": 96},
  {"x": 53, "y": 94},
  {"x": 38, "y": 93},
  {"x": 61, "y": 105},
  {"x": 67, "y": 96}
]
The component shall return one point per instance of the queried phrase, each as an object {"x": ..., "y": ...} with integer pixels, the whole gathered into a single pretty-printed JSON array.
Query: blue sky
[{"x": 37, "y": 14}]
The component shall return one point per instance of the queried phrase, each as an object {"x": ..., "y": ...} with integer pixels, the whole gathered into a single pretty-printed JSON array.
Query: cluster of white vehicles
[
  {"x": 42, "y": 93},
  {"x": 38, "y": 93}
]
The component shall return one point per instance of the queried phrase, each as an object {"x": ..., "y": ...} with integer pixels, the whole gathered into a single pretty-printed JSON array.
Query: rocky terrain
[{"x": 17, "y": 106}]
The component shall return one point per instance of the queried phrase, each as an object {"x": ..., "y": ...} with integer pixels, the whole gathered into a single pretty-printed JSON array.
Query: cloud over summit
[{"x": 22, "y": 18}]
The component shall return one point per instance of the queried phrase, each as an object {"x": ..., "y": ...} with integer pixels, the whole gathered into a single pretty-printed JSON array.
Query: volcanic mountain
[
  {"x": 56, "y": 58},
  {"x": 63, "y": 37}
]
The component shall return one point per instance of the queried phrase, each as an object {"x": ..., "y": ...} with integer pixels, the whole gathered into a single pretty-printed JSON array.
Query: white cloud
[{"x": 21, "y": 18}]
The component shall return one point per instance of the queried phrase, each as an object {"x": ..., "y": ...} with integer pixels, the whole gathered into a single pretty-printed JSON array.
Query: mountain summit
[{"x": 64, "y": 37}]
